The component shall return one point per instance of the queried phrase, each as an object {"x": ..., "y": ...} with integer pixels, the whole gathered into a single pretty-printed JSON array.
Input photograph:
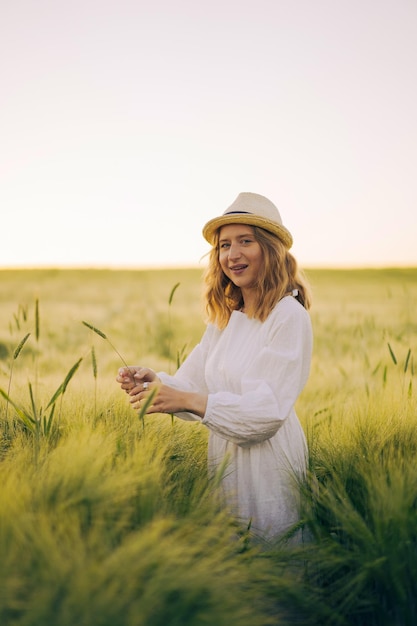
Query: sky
[{"x": 126, "y": 125}]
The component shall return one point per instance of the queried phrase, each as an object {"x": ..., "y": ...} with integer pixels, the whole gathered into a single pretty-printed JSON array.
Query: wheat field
[{"x": 107, "y": 518}]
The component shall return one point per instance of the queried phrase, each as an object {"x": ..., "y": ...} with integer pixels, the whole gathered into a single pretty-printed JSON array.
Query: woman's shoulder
[
  {"x": 288, "y": 323},
  {"x": 289, "y": 311},
  {"x": 210, "y": 334},
  {"x": 289, "y": 304}
]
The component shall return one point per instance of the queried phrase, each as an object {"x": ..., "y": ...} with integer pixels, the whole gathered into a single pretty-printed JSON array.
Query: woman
[{"x": 243, "y": 379}]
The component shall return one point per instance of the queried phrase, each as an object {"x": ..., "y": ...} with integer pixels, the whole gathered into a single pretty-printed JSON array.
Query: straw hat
[{"x": 254, "y": 210}]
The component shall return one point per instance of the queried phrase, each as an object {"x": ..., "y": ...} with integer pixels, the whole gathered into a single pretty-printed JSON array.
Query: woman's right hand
[{"x": 134, "y": 375}]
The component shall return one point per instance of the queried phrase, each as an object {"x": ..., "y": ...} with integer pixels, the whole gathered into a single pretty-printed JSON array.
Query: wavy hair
[{"x": 279, "y": 276}]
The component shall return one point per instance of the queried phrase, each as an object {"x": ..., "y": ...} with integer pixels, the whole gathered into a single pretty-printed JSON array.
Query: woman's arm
[
  {"x": 184, "y": 393},
  {"x": 270, "y": 385},
  {"x": 169, "y": 400}
]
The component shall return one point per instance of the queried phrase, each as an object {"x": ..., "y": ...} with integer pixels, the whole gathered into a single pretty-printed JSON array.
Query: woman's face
[{"x": 240, "y": 255}]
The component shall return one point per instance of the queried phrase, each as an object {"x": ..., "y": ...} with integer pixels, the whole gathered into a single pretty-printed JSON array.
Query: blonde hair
[{"x": 279, "y": 276}]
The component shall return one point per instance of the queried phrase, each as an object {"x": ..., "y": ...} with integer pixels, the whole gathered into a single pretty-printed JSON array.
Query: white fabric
[{"x": 253, "y": 373}]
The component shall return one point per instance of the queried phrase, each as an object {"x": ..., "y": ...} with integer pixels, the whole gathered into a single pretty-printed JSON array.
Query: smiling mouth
[{"x": 238, "y": 268}]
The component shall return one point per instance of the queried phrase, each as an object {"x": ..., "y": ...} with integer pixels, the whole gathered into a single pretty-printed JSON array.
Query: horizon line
[{"x": 128, "y": 267}]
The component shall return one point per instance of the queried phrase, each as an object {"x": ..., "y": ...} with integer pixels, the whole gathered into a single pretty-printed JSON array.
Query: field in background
[
  {"x": 355, "y": 315},
  {"x": 114, "y": 520},
  {"x": 131, "y": 307}
]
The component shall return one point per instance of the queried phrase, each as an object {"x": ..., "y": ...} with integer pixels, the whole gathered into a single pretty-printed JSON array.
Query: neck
[{"x": 248, "y": 301}]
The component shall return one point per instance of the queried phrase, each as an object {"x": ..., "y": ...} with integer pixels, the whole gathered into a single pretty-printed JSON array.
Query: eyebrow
[{"x": 248, "y": 234}]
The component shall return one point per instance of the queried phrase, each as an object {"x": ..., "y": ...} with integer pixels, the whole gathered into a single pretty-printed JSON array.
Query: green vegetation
[{"x": 108, "y": 518}]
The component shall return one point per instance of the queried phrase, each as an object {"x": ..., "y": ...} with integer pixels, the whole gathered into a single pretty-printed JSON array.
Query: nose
[{"x": 234, "y": 251}]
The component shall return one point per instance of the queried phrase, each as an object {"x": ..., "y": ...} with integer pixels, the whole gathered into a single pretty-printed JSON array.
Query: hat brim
[{"x": 280, "y": 231}]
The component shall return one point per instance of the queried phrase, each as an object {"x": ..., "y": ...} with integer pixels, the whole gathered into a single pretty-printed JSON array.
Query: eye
[{"x": 224, "y": 244}]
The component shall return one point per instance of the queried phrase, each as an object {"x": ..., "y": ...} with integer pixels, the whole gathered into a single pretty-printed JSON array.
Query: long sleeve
[
  {"x": 270, "y": 383},
  {"x": 190, "y": 376}
]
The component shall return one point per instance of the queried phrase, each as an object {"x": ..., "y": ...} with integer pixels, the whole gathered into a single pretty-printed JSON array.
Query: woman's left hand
[{"x": 166, "y": 399}]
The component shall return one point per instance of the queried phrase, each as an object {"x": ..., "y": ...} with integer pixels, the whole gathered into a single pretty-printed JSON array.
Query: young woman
[{"x": 244, "y": 377}]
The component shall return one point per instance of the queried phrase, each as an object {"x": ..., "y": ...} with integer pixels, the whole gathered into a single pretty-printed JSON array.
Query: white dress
[{"x": 253, "y": 373}]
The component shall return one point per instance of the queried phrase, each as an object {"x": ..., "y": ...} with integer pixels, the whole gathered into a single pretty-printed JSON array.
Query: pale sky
[{"x": 126, "y": 125}]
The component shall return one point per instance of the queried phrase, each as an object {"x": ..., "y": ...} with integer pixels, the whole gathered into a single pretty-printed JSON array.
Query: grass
[{"x": 105, "y": 522}]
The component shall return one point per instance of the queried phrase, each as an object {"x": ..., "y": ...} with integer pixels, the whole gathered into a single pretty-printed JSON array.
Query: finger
[
  {"x": 142, "y": 387},
  {"x": 136, "y": 389},
  {"x": 135, "y": 403},
  {"x": 126, "y": 372},
  {"x": 143, "y": 374},
  {"x": 135, "y": 395}
]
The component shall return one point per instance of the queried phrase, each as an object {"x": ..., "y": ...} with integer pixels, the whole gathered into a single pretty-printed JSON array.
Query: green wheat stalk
[
  {"x": 94, "y": 366},
  {"x": 35, "y": 419},
  {"x": 24, "y": 416},
  {"x": 171, "y": 295},
  {"x": 15, "y": 356},
  {"x": 20, "y": 346},
  {"x": 144, "y": 408},
  {"x": 94, "y": 362},
  {"x": 104, "y": 336},
  {"x": 37, "y": 334},
  {"x": 63, "y": 386},
  {"x": 37, "y": 319},
  {"x": 391, "y": 351},
  {"x": 170, "y": 299},
  {"x": 407, "y": 360}
]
